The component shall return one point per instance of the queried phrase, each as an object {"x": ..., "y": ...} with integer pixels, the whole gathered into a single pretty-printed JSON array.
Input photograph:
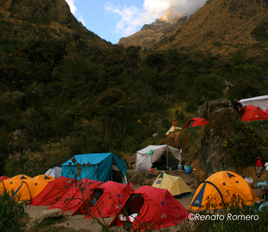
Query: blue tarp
[{"x": 94, "y": 166}]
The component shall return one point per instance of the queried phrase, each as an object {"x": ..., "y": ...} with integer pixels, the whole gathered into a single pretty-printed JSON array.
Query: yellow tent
[
  {"x": 11, "y": 184},
  {"x": 222, "y": 189},
  {"x": 174, "y": 184},
  {"x": 29, "y": 189}
]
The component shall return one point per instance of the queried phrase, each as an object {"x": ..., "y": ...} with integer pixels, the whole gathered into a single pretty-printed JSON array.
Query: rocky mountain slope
[
  {"x": 224, "y": 27},
  {"x": 151, "y": 34},
  {"x": 221, "y": 27},
  {"x": 27, "y": 19}
]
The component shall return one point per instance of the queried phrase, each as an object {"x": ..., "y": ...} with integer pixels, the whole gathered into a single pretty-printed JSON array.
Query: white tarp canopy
[
  {"x": 148, "y": 155},
  {"x": 261, "y": 101}
]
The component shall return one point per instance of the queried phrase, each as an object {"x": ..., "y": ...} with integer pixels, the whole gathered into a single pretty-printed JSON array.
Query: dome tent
[
  {"x": 113, "y": 196},
  {"x": 12, "y": 184},
  {"x": 30, "y": 188},
  {"x": 174, "y": 184},
  {"x": 78, "y": 194},
  {"x": 195, "y": 122},
  {"x": 54, "y": 171},
  {"x": 252, "y": 113},
  {"x": 53, "y": 191},
  {"x": 150, "y": 208},
  {"x": 221, "y": 189}
]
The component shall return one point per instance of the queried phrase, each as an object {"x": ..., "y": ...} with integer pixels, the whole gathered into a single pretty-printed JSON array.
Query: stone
[
  {"x": 209, "y": 108},
  {"x": 50, "y": 213}
]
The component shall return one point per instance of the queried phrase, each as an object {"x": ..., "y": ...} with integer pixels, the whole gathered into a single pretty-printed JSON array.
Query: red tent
[
  {"x": 156, "y": 208},
  {"x": 266, "y": 111},
  {"x": 4, "y": 178},
  {"x": 53, "y": 191},
  {"x": 113, "y": 196},
  {"x": 195, "y": 122},
  {"x": 252, "y": 113},
  {"x": 78, "y": 194}
]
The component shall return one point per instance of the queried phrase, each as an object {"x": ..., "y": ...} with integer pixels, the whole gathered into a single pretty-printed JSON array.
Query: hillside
[
  {"x": 65, "y": 91},
  {"x": 151, "y": 34},
  {"x": 35, "y": 19},
  {"x": 224, "y": 27}
]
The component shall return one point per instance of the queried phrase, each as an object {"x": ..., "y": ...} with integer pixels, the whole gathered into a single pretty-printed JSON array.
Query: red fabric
[
  {"x": 160, "y": 209},
  {"x": 259, "y": 163},
  {"x": 253, "y": 113},
  {"x": 195, "y": 122},
  {"x": 4, "y": 178},
  {"x": 53, "y": 191},
  {"x": 113, "y": 197},
  {"x": 77, "y": 196},
  {"x": 266, "y": 111}
]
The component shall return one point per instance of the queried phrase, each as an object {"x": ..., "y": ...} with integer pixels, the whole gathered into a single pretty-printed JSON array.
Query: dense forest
[{"x": 65, "y": 96}]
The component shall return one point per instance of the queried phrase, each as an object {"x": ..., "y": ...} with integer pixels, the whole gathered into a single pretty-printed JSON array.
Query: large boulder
[
  {"x": 50, "y": 213},
  {"x": 209, "y": 108},
  {"x": 214, "y": 156}
]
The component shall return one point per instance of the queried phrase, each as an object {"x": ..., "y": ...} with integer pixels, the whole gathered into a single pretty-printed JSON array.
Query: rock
[
  {"x": 50, "y": 213},
  {"x": 209, "y": 108},
  {"x": 213, "y": 156}
]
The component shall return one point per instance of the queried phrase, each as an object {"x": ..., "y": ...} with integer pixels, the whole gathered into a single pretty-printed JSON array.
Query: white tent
[
  {"x": 55, "y": 172},
  {"x": 261, "y": 101},
  {"x": 148, "y": 155}
]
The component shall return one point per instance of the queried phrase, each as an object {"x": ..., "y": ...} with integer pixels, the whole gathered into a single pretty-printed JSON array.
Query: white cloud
[
  {"x": 72, "y": 6},
  {"x": 75, "y": 12},
  {"x": 131, "y": 19}
]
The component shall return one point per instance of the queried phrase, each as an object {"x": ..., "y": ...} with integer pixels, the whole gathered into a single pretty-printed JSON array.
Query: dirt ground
[{"x": 78, "y": 222}]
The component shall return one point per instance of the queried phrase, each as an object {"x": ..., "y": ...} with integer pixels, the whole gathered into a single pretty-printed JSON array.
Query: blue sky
[{"x": 114, "y": 19}]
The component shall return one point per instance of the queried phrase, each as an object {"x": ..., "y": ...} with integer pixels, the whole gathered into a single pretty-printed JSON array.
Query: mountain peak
[{"x": 153, "y": 33}]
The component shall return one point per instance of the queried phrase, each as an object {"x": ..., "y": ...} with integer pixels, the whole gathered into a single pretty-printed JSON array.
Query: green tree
[
  {"x": 243, "y": 89},
  {"x": 209, "y": 87}
]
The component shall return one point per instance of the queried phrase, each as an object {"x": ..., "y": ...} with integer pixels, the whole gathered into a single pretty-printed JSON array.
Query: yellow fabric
[
  {"x": 174, "y": 184},
  {"x": 11, "y": 184},
  {"x": 234, "y": 190},
  {"x": 29, "y": 189}
]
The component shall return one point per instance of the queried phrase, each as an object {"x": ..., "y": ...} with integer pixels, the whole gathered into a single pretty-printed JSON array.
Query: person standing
[
  {"x": 259, "y": 161},
  {"x": 235, "y": 105}
]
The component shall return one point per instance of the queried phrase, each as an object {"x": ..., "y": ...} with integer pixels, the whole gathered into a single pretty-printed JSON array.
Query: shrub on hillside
[{"x": 10, "y": 213}]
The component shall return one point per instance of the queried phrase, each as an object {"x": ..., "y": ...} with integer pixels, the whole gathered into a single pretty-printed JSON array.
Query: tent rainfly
[
  {"x": 260, "y": 101},
  {"x": 252, "y": 113},
  {"x": 174, "y": 184},
  {"x": 149, "y": 155},
  {"x": 221, "y": 189},
  {"x": 96, "y": 166},
  {"x": 197, "y": 121},
  {"x": 54, "y": 171}
]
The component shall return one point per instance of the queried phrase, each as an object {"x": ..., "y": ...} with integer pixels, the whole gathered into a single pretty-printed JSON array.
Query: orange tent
[
  {"x": 222, "y": 189},
  {"x": 11, "y": 184},
  {"x": 30, "y": 188}
]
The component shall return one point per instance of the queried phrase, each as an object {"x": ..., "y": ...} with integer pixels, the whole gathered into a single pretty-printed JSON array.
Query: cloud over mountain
[{"x": 131, "y": 19}]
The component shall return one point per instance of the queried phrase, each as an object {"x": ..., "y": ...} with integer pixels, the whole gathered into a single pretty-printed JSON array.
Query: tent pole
[{"x": 167, "y": 158}]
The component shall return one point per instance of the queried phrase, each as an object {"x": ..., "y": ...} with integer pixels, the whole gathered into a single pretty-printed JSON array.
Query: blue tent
[{"x": 94, "y": 166}]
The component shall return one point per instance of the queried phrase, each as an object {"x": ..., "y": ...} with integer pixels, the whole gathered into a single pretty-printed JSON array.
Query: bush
[{"x": 11, "y": 213}]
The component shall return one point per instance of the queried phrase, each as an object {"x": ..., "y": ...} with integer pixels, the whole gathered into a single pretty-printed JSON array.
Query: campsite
[
  {"x": 77, "y": 222},
  {"x": 96, "y": 136}
]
